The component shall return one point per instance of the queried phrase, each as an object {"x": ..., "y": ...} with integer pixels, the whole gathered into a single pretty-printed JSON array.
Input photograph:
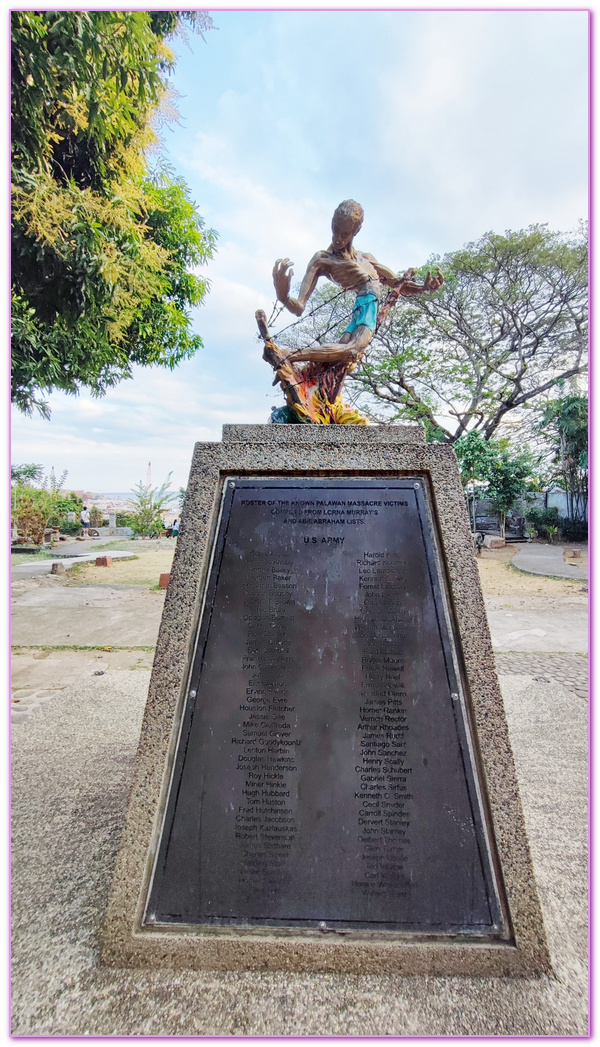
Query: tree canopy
[
  {"x": 103, "y": 247},
  {"x": 564, "y": 425},
  {"x": 507, "y": 327}
]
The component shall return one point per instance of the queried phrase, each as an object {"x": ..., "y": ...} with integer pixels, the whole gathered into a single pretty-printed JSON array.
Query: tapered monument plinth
[{"x": 324, "y": 779}]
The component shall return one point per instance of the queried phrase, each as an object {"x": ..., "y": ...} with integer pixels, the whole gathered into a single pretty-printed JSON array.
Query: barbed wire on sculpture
[{"x": 275, "y": 313}]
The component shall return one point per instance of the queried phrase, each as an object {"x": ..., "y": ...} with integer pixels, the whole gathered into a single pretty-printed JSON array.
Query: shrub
[
  {"x": 95, "y": 517},
  {"x": 67, "y": 527},
  {"x": 573, "y": 530},
  {"x": 543, "y": 520},
  {"x": 150, "y": 502}
]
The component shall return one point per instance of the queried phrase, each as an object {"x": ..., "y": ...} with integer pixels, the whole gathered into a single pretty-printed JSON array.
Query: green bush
[
  {"x": 543, "y": 520},
  {"x": 543, "y": 516},
  {"x": 124, "y": 520},
  {"x": 70, "y": 528}
]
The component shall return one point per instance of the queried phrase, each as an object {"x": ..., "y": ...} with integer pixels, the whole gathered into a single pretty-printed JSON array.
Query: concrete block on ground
[
  {"x": 103, "y": 561},
  {"x": 163, "y": 581},
  {"x": 493, "y": 541}
]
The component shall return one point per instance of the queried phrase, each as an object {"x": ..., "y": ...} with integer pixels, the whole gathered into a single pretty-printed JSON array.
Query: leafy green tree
[
  {"x": 39, "y": 501},
  {"x": 31, "y": 510},
  {"x": 493, "y": 469},
  {"x": 564, "y": 423},
  {"x": 148, "y": 504},
  {"x": 103, "y": 248},
  {"x": 476, "y": 457},
  {"x": 35, "y": 502},
  {"x": 28, "y": 473},
  {"x": 510, "y": 476},
  {"x": 508, "y": 325}
]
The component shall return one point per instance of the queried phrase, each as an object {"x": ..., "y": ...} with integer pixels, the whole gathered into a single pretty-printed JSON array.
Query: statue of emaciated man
[{"x": 312, "y": 378}]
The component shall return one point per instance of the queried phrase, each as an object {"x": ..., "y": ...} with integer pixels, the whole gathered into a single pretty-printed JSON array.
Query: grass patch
[
  {"x": 554, "y": 577},
  {"x": 141, "y": 544},
  {"x": 18, "y": 558}
]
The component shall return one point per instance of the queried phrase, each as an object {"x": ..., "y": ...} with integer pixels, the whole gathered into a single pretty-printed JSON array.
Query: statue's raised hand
[
  {"x": 433, "y": 283},
  {"x": 282, "y": 278},
  {"x": 407, "y": 287}
]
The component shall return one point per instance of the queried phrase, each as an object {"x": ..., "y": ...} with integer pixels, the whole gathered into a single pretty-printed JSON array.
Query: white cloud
[{"x": 482, "y": 125}]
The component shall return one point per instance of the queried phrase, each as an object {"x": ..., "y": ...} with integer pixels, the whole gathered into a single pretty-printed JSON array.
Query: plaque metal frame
[{"x": 418, "y": 486}]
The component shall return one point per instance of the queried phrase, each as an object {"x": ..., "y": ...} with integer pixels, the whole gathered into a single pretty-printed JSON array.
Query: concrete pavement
[
  {"x": 563, "y": 628},
  {"x": 68, "y": 554},
  {"x": 52, "y": 613},
  {"x": 547, "y": 560}
]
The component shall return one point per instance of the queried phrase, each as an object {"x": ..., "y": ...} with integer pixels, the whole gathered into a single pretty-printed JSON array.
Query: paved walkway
[
  {"x": 568, "y": 670},
  {"x": 69, "y": 553},
  {"x": 39, "y": 567},
  {"x": 549, "y": 630},
  {"x": 547, "y": 560}
]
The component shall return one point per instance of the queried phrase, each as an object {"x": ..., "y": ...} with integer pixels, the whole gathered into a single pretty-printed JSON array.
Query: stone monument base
[{"x": 324, "y": 780}]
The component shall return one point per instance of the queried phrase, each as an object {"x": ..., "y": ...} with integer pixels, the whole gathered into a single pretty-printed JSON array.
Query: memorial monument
[
  {"x": 312, "y": 378},
  {"x": 324, "y": 780}
]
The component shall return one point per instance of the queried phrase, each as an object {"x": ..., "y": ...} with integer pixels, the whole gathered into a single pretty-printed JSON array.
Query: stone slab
[
  {"x": 324, "y": 435},
  {"x": 85, "y": 615},
  {"x": 334, "y": 452},
  {"x": 552, "y": 629}
]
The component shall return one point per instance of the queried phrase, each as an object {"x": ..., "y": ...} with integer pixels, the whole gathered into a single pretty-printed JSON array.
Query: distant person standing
[
  {"x": 85, "y": 520},
  {"x": 175, "y": 530}
]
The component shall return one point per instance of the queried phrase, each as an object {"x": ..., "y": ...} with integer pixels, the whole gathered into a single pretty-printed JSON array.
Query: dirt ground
[
  {"x": 153, "y": 559},
  {"x": 498, "y": 578}
]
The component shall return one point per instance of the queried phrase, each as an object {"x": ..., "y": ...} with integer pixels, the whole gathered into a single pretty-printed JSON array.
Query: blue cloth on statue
[{"x": 364, "y": 312}]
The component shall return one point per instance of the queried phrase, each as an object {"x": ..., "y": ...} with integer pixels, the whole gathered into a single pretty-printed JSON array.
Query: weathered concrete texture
[
  {"x": 322, "y": 451},
  {"x": 546, "y": 630},
  {"x": 72, "y": 770},
  {"x": 86, "y": 615},
  {"x": 324, "y": 435}
]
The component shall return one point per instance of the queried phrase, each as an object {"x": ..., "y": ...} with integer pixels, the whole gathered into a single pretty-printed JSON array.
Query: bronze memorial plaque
[{"x": 325, "y": 773}]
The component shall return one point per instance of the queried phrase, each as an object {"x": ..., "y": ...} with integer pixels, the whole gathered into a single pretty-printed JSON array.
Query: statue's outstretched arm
[
  {"x": 282, "y": 278},
  {"x": 403, "y": 282}
]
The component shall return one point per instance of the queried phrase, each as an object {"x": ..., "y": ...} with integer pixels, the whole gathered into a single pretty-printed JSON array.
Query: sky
[{"x": 442, "y": 124}]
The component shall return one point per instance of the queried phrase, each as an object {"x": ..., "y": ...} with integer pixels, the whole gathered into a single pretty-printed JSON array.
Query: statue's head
[{"x": 347, "y": 220}]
